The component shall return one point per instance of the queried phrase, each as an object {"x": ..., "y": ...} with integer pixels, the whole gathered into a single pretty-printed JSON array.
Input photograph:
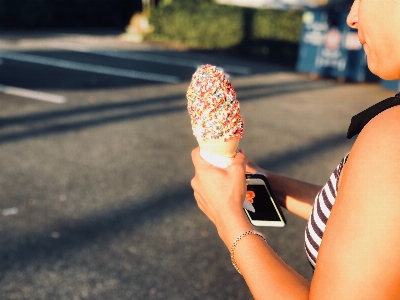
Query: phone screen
[{"x": 265, "y": 209}]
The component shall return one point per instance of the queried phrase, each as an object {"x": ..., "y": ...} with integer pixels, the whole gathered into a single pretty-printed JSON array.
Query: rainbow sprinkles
[{"x": 212, "y": 105}]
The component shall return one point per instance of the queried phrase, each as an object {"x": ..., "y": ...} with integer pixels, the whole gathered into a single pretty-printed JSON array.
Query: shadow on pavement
[
  {"x": 76, "y": 235},
  {"x": 282, "y": 160},
  {"x": 61, "y": 121}
]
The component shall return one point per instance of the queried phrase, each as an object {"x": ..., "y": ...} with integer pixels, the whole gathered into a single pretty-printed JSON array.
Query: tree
[{"x": 148, "y": 4}]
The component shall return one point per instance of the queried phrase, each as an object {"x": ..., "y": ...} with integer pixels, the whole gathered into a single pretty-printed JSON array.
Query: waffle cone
[{"x": 220, "y": 147}]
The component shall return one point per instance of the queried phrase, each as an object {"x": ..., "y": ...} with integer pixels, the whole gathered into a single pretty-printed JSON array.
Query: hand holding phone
[{"x": 260, "y": 195}]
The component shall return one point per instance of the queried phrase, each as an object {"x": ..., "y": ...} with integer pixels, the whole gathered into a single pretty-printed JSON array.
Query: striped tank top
[
  {"x": 320, "y": 213},
  {"x": 326, "y": 197}
]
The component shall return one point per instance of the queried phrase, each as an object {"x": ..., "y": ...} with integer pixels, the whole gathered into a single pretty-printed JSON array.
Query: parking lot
[{"x": 95, "y": 144}]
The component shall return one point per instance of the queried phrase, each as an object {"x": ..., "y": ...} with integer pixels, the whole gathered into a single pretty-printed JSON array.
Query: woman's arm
[
  {"x": 358, "y": 258},
  {"x": 294, "y": 195},
  {"x": 219, "y": 194}
]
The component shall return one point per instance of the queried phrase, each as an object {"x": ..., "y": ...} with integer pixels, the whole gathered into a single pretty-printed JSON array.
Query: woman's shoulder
[
  {"x": 361, "y": 240},
  {"x": 375, "y": 155},
  {"x": 380, "y": 137},
  {"x": 386, "y": 119}
]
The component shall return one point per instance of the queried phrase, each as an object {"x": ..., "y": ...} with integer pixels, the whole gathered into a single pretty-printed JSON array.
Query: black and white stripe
[{"x": 320, "y": 214}]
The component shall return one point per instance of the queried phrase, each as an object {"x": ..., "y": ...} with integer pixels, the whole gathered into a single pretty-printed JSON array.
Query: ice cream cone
[
  {"x": 218, "y": 152},
  {"x": 220, "y": 147},
  {"x": 215, "y": 117}
]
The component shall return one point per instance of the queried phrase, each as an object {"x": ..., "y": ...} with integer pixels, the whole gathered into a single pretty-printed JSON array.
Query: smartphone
[{"x": 267, "y": 210}]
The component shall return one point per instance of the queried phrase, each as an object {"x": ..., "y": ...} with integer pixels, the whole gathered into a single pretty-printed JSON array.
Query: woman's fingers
[
  {"x": 215, "y": 189},
  {"x": 195, "y": 154},
  {"x": 203, "y": 206},
  {"x": 240, "y": 159},
  {"x": 252, "y": 167}
]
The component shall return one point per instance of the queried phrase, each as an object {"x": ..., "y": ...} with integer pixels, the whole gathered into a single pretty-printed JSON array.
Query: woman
[{"x": 358, "y": 254}]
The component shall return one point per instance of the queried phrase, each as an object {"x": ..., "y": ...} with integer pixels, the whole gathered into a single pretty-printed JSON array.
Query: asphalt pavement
[{"x": 95, "y": 169}]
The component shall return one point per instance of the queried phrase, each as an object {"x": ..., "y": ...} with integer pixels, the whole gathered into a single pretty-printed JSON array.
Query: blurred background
[{"x": 95, "y": 138}]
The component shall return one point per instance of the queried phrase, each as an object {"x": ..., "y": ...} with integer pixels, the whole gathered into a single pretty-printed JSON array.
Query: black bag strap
[{"x": 361, "y": 119}]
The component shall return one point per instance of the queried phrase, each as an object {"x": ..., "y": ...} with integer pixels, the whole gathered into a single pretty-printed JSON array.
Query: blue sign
[{"x": 330, "y": 48}]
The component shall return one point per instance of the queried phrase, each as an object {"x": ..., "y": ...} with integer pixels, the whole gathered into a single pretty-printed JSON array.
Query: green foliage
[
  {"x": 283, "y": 25},
  {"x": 186, "y": 3},
  {"x": 202, "y": 24},
  {"x": 196, "y": 25}
]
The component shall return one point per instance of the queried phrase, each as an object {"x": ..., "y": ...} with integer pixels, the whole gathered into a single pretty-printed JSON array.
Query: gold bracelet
[{"x": 237, "y": 241}]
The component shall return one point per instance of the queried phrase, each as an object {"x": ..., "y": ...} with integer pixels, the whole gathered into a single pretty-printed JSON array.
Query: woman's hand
[
  {"x": 294, "y": 195},
  {"x": 252, "y": 168},
  {"x": 220, "y": 194}
]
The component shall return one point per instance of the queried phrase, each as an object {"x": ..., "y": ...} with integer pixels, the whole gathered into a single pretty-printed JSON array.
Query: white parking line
[
  {"x": 88, "y": 67},
  {"x": 148, "y": 57},
  {"x": 167, "y": 60},
  {"x": 10, "y": 90}
]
